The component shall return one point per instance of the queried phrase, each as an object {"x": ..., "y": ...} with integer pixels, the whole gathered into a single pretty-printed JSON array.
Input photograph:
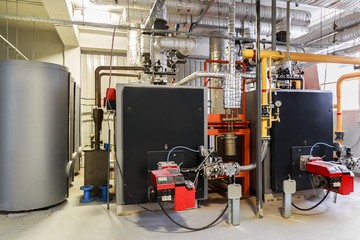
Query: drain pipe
[{"x": 259, "y": 179}]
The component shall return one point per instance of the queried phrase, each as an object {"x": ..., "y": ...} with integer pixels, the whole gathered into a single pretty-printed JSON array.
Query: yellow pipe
[
  {"x": 264, "y": 99},
  {"x": 339, "y": 123},
  {"x": 304, "y": 57}
]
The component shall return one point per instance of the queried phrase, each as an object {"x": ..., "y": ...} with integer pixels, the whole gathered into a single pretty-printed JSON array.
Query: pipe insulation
[
  {"x": 342, "y": 37},
  {"x": 138, "y": 15},
  {"x": 324, "y": 29},
  {"x": 199, "y": 74},
  {"x": 133, "y": 54},
  {"x": 244, "y": 11},
  {"x": 232, "y": 83},
  {"x": 350, "y": 5},
  {"x": 183, "y": 45}
]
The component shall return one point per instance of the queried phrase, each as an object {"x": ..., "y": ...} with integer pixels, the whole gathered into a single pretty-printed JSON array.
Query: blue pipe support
[
  {"x": 104, "y": 192},
  {"x": 87, "y": 194}
]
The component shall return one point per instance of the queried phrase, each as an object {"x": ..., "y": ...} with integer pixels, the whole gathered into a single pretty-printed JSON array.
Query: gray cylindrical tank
[{"x": 33, "y": 134}]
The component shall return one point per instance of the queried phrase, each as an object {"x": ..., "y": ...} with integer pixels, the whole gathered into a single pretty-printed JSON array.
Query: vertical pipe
[
  {"x": 259, "y": 209},
  {"x": 287, "y": 30},
  {"x": 273, "y": 25}
]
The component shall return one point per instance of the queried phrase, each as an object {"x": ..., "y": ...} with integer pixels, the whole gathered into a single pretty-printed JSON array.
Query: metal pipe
[
  {"x": 287, "y": 30},
  {"x": 259, "y": 178},
  {"x": 339, "y": 132},
  {"x": 120, "y": 74},
  {"x": 184, "y": 45},
  {"x": 151, "y": 18},
  {"x": 13, "y": 47},
  {"x": 273, "y": 25},
  {"x": 207, "y": 61},
  {"x": 113, "y": 68},
  {"x": 199, "y": 74},
  {"x": 304, "y": 57}
]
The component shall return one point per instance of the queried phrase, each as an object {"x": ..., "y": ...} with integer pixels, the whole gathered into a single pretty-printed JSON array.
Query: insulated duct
[
  {"x": 329, "y": 27},
  {"x": 244, "y": 11},
  {"x": 183, "y": 45},
  {"x": 137, "y": 16},
  {"x": 344, "y": 36},
  {"x": 133, "y": 54},
  {"x": 232, "y": 83},
  {"x": 350, "y": 5}
]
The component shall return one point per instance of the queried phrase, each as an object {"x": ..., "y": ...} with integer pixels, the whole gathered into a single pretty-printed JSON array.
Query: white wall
[{"x": 37, "y": 45}]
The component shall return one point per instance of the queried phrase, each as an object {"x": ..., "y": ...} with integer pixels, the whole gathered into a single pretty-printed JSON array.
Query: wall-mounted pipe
[
  {"x": 339, "y": 132},
  {"x": 199, "y": 74},
  {"x": 302, "y": 57}
]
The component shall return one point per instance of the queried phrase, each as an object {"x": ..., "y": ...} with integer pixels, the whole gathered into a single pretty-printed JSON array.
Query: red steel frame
[{"x": 216, "y": 126}]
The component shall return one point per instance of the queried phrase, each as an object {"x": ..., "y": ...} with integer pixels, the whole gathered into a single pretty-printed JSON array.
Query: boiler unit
[
  {"x": 34, "y": 130},
  {"x": 152, "y": 123}
]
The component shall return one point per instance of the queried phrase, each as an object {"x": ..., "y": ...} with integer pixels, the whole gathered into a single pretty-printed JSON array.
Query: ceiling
[{"x": 85, "y": 11}]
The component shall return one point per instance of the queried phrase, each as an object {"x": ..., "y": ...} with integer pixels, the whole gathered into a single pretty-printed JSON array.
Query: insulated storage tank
[{"x": 34, "y": 130}]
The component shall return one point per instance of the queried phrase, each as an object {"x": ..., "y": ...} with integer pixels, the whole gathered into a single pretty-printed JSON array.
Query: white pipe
[
  {"x": 350, "y": 5},
  {"x": 13, "y": 47},
  {"x": 243, "y": 10},
  {"x": 329, "y": 27},
  {"x": 344, "y": 36},
  {"x": 184, "y": 45},
  {"x": 199, "y": 74},
  {"x": 138, "y": 15}
]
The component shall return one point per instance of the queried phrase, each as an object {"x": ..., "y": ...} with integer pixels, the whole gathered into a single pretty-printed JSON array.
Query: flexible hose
[
  {"x": 308, "y": 209},
  {"x": 191, "y": 228}
]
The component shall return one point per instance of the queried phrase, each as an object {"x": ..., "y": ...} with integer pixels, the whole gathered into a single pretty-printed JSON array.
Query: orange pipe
[{"x": 339, "y": 119}]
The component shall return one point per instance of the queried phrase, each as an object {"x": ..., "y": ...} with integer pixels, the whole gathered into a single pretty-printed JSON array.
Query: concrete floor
[{"x": 73, "y": 220}]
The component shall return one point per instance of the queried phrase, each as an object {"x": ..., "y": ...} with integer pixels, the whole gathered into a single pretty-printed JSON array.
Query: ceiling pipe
[
  {"x": 350, "y": 5},
  {"x": 329, "y": 27},
  {"x": 137, "y": 16},
  {"x": 152, "y": 16},
  {"x": 342, "y": 37},
  {"x": 302, "y": 57},
  {"x": 244, "y": 11}
]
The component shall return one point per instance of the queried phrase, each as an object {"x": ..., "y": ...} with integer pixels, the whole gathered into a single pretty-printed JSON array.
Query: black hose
[
  {"x": 308, "y": 209},
  {"x": 191, "y": 228}
]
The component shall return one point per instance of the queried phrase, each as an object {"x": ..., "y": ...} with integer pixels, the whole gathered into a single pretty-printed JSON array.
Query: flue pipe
[
  {"x": 98, "y": 83},
  {"x": 339, "y": 133}
]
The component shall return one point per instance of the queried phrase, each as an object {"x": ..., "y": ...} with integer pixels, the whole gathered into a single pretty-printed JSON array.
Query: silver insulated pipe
[{"x": 232, "y": 91}]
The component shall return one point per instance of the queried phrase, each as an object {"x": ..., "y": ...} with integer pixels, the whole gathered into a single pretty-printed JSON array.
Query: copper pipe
[
  {"x": 120, "y": 75},
  {"x": 98, "y": 78}
]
